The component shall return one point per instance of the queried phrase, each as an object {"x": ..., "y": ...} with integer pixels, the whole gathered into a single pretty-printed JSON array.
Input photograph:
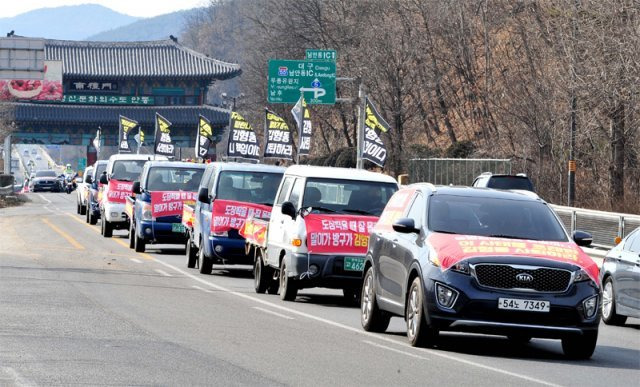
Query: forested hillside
[{"x": 474, "y": 78}]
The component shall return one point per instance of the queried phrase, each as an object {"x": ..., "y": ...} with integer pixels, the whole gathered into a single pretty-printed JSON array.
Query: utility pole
[
  {"x": 360, "y": 125},
  {"x": 571, "y": 189}
]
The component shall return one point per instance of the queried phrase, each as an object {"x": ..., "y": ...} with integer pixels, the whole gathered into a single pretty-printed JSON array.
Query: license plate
[
  {"x": 353, "y": 264},
  {"x": 177, "y": 227},
  {"x": 526, "y": 305}
]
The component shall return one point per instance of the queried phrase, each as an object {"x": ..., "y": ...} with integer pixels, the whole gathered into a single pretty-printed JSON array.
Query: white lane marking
[
  {"x": 15, "y": 377},
  {"x": 199, "y": 288},
  {"x": 351, "y": 329},
  {"x": 46, "y": 206},
  {"x": 273, "y": 313},
  {"x": 135, "y": 260},
  {"x": 45, "y": 199},
  {"x": 394, "y": 350},
  {"x": 164, "y": 273}
]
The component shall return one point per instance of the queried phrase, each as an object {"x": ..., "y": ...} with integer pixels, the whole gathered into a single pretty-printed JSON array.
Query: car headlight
[
  {"x": 590, "y": 306},
  {"x": 433, "y": 257},
  {"x": 220, "y": 233},
  {"x": 581, "y": 275},
  {"x": 146, "y": 211},
  {"x": 461, "y": 267}
]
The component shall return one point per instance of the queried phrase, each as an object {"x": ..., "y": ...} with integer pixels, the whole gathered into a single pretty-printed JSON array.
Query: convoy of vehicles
[
  {"x": 228, "y": 194},
  {"x": 491, "y": 261},
  {"x": 155, "y": 212}
]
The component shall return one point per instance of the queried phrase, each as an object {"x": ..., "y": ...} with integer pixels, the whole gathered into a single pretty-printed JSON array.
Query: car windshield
[
  {"x": 99, "y": 169},
  {"x": 45, "y": 174},
  {"x": 128, "y": 170},
  {"x": 246, "y": 186},
  {"x": 174, "y": 179},
  {"x": 494, "y": 217},
  {"x": 347, "y": 196},
  {"x": 510, "y": 182}
]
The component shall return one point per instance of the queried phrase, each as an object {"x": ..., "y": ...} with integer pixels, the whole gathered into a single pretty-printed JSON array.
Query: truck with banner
[
  {"x": 228, "y": 194},
  {"x": 160, "y": 195},
  {"x": 122, "y": 171},
  {"x": 318, "y": 232}
]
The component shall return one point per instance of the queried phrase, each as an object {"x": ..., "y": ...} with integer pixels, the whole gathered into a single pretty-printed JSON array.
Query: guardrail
[{"x": 603, "y": 226}]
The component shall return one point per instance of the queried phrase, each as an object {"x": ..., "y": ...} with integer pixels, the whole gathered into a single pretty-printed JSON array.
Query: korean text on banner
[
  {"x": 229, "y": 214},
  {"x": 243, "y": 142},
  {"x": 279, "y": 144},
  {"x": 117, "y": 190},
  {"x": 338, "y": 234},
  {"x": 170, "y": 203},
  {"x": 373, "y": 149}
]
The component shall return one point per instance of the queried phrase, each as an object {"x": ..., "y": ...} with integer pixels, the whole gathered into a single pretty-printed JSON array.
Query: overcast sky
[{"x": 139, "y": 8}]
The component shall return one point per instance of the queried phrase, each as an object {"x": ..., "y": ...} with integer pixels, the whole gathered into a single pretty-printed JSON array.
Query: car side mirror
[
  {"x": 582, "y": 238},
  {"x": 136, "y": 188},
  {"x": 405, "y": 226},
  {"x": 203, "y": 195},
  {"x": 103, "y": 179},
  {"x": 88, "y": 180},
  {"x": 289, "y": 209}
]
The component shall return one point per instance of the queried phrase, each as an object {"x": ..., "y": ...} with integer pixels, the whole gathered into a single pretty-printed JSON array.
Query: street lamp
[{"x": 225, "y": 98}]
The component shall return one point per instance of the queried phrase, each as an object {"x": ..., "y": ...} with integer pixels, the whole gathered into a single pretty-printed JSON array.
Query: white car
[
  {"x": 122, "y": 171},
  {"x": 82, "y": 191}
]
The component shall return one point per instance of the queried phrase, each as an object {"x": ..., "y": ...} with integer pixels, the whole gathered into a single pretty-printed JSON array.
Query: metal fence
[
  {"x": 454, "y": 171},
  {"x": 603, "y": 226}
]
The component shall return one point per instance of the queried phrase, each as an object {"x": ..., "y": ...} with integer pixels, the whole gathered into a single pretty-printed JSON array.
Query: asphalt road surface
[{"x": 77, "y": 308}]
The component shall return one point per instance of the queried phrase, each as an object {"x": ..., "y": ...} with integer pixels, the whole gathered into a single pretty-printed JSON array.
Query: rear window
[
  {"x": 174, "y": 179},
  {"x": 493, "y": 217},
  {"x": 249, "y": 187},
  {"x": 45, "y": 174},
  {"x": 510, "y": 182},
  {"x": 347, "y": 196}
]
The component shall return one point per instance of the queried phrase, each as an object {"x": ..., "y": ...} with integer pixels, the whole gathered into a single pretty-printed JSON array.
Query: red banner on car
[
  {"x": 188, "y": 215},
  {"x": 451, "y": 249},
  {"x": 229, "y": 214},
  {"x": 338, "y": 234},
  {"x": 170, "y": 203},
  {"x": 118, "y": 190}
]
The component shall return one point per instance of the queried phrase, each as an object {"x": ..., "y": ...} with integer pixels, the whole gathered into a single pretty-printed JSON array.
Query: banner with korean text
[
  {"x": 118, "y": 190},
  {"x": 243, "y": 142},
  {"x": 279, "y": 143},
  {"x": 338, "y": 234},
  {"x": 170, "y": 203},
  {"x": 229, "y": 214},
  {"x": 373, "y": 149},
  {"x": 163, "y": 142}
]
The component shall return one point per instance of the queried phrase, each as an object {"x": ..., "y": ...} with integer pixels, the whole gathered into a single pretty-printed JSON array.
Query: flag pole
[
  {"x": 360, "y": 125},
  {"x": 301, "y": 126}
]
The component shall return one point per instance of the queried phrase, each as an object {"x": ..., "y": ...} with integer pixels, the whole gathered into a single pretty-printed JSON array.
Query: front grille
[{"x": 505, "y": 277}]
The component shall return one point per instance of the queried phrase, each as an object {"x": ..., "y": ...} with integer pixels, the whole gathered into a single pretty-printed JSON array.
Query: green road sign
[
  {"x": 321, "y": 55},
  {"x": 316, "y": 79}
]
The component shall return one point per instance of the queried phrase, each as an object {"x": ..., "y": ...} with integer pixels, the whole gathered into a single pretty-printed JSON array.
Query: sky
[{"x": 138, "y": 8}]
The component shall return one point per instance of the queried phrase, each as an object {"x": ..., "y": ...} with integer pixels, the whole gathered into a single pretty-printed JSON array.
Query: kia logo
[{"x": 524, "y": 277}]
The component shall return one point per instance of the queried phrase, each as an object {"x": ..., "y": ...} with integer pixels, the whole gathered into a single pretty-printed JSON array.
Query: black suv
[
  {"x": 499, "y": 181},
  {"x": 484, "y": 261}
]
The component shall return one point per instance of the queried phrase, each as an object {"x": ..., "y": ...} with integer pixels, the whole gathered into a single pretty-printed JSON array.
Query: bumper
[
  {"x": 46, "y": 187},
  {"x": 230, "y": 251},
  {"x": 114, "y": 213},
  {"x": 476, "y": 308},
  {"x": 159, "y": 233},
  {"x": 330, "y": 272}
]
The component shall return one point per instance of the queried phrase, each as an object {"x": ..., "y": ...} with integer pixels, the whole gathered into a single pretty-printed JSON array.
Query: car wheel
[
  {"x": 371, "y": 317},
  {"x": 352, "y": 296},
  {"x": 261, "y": 274},
  {"x": 609, "y": 315},
  {"x": 192, "y": 254},
  {"x": 87, "y": 214},
  {"x": 107, "y": 229},
  {"x": 419, "y": 333},
  {"x": 92, "y": 218},
  {"x": 83, "y": 209},
  {"x": 288, "y": 289},
  {"x": 204, "y": 263},
  {"x": 77, "y": 208},
  {"x": 580, "y": 346},
  {"x": 132, "y": 233},
  {"x": 140, "y": 243}
]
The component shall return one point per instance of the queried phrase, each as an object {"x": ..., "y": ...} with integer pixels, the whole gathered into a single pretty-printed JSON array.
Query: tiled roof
[
  {"x": 156, "y": 59},
  {"x": 36, "y": 113}
]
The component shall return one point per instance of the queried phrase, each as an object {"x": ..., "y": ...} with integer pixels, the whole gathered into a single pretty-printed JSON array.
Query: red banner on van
[
  {"x": 117, "y": 190},
  {"x": 170, "y": 203},
  {"x": 229, "y": 214},
  {"x": 339, "y": 234}
]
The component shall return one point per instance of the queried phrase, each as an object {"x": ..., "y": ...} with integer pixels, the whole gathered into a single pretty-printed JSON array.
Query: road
[{"x": 76, "y": 308}]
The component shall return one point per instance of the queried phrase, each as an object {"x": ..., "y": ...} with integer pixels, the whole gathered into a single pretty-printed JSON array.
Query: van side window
[
  {"x": 284, "y": 190},
  {"x": 296, "y": 192}
]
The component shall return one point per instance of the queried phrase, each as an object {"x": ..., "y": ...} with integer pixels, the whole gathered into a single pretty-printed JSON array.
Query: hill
[
  {"x": 74, "y": 22},
  {"x": 155, "y": 28}
]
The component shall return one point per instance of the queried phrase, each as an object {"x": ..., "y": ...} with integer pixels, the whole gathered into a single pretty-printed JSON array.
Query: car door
[
  {"x": 402, "y": 250},
  {"x": 288, "y": 223},
  {"x": 627, "y": 276},
  {"x": 275, "y": 233},
  {"x": 201, "y": 209}
]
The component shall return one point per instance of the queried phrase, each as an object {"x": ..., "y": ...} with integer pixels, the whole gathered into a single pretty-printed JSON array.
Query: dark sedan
[
  {"x": 45, "y": 180},
  {"x": 483, "y": 261}
]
